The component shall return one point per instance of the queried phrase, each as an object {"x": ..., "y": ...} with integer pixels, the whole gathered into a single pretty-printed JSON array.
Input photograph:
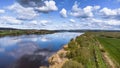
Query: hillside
[{"x": 91, "y": 50}]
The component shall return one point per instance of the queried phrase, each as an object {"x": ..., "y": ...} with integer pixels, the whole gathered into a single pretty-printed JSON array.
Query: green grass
[
  {"x": 85, "y": 50},
  {"x": 112, "y": 46},
  {"x": 100, "y": 61},
  {"x": 72, "y": 64}
]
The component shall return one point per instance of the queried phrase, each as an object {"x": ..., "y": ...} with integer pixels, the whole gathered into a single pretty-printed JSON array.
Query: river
[{"x": 31, "y": 51}]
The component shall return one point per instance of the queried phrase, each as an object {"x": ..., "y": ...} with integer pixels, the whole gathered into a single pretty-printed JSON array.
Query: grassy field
[
  {"x": 86, "y": 50},
  {"x": 112, "y": 46}
]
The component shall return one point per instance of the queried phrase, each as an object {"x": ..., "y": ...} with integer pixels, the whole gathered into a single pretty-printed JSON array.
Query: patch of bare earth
[
  {"x": 107, "y": 59},
  {"x": 58, "y": 59}
]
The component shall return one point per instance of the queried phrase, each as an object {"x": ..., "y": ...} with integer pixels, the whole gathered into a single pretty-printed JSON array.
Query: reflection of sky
[
  {"x": 18, "y": 46},
  {"x": 43, "y": 41}
]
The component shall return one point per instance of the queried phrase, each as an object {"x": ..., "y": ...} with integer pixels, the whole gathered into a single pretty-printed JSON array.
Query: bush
[{"x": 72, "y": 64}]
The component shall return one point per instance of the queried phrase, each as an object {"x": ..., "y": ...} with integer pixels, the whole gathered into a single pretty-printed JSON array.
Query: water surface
[{"x": 31, "y": 51}]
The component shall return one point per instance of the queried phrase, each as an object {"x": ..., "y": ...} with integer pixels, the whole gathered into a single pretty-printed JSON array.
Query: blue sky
[{"x": 60, "y": 14}]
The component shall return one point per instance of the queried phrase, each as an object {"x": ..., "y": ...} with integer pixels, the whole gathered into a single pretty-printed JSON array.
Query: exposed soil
[
  {"x": 58, "y": 59},
  {"x": 107, "y": 59}
]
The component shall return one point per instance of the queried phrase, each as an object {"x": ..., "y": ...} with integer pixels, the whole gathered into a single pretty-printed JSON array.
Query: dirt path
[{"x": 107, "y": 58}]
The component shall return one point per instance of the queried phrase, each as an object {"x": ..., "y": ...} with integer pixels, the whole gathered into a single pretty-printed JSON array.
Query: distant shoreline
[
  {"x": 17, "y": 32},
  {"x": 23, "y": 32}
]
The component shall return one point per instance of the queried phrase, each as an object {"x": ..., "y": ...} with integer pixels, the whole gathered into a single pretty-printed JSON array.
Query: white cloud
[
  {"x": 34, "y": 22},
  {"x": 75, "y": 7},
  {"x": 72, "y": 20},
  {"x": 49, "y": 6},
  {"x": 2, "y": 11},
  {"x": 85, "y": 12},
  {"x": 103, "y": 23},
  {"x": 96, "y": 7},
  {"x": 38, "y": 23},
  {"x": 87, "y": 16},
  {"x": 88, "y": 11},
  {"x": 9, "y": 20},
  {"x": 44, "y": 22},
  {"x": 22, "y": 12},
  {"x": 110, "y": 13},
  {"x": 63, "y": 13},
  {"x": 95, "y": 20},
  {"x": 113, "y": 22},
  {"x": 95, "y": 17}
]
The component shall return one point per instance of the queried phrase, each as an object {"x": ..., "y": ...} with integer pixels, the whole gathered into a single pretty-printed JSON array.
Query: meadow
[{"x": 112, "y": 46}]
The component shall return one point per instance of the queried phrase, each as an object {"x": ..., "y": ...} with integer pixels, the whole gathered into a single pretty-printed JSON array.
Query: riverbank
[
  {"x": 86, "y": 51},
  {"x": 58, "y": 59}
]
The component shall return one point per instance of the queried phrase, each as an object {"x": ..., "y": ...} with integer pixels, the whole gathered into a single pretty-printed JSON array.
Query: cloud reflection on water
[{"x": 27, "y": 48}]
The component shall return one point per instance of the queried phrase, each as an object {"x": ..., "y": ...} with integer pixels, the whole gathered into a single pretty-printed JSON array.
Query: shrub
[{"x": 72, "y": 64}]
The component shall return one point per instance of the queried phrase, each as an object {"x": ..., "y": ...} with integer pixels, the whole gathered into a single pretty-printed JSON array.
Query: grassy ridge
[{"x": 85, "y": 50}]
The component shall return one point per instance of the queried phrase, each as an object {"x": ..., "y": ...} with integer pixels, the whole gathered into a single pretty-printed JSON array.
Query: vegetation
[
  {"x": 72, "y": 64},
  {"x": 85, "y": 49},
  {"x": 21, "y": 32},
  {"x": 112, "y": 45}
]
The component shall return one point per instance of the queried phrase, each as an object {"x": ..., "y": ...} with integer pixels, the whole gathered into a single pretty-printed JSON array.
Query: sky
[{"x": 60, "y": 14}]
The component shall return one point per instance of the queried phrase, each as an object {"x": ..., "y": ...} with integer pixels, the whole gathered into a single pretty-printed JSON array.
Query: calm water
[{"x": 31, "y": 51}]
